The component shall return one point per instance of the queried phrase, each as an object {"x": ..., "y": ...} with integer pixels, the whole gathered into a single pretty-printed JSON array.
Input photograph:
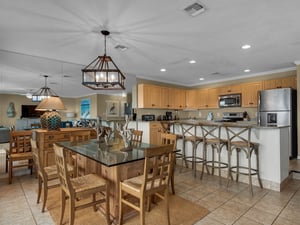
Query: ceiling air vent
[
  {"x": 194, "y": 9},
  {"x": 121, "y": 47}
]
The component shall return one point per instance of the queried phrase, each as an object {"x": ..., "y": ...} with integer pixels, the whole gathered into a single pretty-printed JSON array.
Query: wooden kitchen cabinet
[
  {"x": 208, "y": 98},
  {"x": 192, "y": 99},
  {"x": 167, "y": 98},
  {"x": 230, "y": 89},
  {"x": 180, "y": 98},
  {"x": 155, "y": 130},
  {"x": 283, "y": 82},
  {"x": 149, "y": 96},
  {"x": 250, "y": 93},
  {"x": 213, "y": 98},
  {"x": 202, "y": 98}
]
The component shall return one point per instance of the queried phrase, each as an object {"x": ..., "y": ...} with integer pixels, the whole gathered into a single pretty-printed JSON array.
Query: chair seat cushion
[
  {"x": 21, "y": 156},
  {"x": 135, "y": 183},
  {"x": 87, "y": 182}
]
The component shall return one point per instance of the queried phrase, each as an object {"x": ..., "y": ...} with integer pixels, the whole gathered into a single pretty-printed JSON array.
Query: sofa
[{"x": 4, "y": 134}]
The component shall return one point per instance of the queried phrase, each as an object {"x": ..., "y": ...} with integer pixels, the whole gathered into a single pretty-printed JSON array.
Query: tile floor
[{"x": 233, "y": 205}]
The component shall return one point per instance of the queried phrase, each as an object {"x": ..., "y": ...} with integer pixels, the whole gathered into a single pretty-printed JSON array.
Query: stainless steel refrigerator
[{"x": 278, "y": 107}]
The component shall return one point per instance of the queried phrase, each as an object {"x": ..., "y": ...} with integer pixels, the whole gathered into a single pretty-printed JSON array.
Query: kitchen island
[{"x": 273, "y": 150}]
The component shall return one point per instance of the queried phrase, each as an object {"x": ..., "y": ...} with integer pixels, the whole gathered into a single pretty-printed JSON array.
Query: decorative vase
[{"x": 53, "y": 120}]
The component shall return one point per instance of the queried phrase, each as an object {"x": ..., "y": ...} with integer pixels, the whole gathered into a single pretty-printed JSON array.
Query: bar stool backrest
[
  {"x": 210, "y": 131},
  {"x": 239, "y": 134}
]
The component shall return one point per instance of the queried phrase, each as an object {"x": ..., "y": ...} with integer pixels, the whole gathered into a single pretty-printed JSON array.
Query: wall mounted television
[{"x": 28, "y": 111}]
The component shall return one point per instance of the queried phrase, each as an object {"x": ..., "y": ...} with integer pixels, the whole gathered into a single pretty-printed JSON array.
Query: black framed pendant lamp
[
  {"x": 43, "y": 92},
  {"x": 103, "y": 73}
]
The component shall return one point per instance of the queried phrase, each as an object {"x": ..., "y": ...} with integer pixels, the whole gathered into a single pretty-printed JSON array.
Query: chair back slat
[
  {"x": 62, "y": 170},
  {"x": 80, "y": 136},
  {"x": 136, "y": 138},
  {"x": 157, "y": 168},
  {"x": 20, "y": 142},
  {"x": 168, "y": 138}
]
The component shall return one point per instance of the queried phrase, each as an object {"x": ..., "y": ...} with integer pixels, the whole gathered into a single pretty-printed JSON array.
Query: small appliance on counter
[
  {"x": 169, "y": 116},
  {"x": 232, "y": 117},
  {"x": 210, "y": 116},
  {"x": 148, "y": 117}
]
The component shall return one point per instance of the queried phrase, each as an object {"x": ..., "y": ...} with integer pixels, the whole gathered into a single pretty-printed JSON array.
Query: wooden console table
[{"x": 45, "y": 140}]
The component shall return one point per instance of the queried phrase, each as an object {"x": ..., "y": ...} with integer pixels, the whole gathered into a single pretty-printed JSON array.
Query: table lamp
[{"x": 51, "y": 119}]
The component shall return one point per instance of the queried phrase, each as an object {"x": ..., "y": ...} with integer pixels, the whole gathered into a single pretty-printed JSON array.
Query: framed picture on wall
[
  {"x": 85, "y": 108},
  {"x": 112, "y": 108}
]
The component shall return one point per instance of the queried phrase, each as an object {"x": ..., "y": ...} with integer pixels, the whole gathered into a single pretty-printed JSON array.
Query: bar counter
[{"x": 273, "y": 142}]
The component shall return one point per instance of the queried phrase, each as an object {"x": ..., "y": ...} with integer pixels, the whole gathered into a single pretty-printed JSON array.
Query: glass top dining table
[{"x": 109, "y": 155}]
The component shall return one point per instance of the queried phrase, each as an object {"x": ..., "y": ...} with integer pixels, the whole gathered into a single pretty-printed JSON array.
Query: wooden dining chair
[
  {"x": 78, "y": 136},
  {"x": 19, "y": 151},
  {"x": 46, "y": 175},
  {"x": 154, "y": 181},
  {"x": 80, "y": 188},
  {"x": 168, "y": 138},
  {"x": 136, "y": 138}
]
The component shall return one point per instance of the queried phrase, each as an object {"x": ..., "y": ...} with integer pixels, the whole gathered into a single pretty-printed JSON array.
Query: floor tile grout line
[
  {"x": 251, "y": 207},
  {"x": 27, "y": 201},
  {"x": 278, "y": 215}
]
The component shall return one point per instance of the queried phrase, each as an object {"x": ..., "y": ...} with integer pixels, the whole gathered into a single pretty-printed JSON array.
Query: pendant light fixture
[
  {"x": 103, "y": 73},
  {"x": 42, "y": 93}
]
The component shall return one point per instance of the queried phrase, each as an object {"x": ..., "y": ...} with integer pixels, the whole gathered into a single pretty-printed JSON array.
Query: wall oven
[{"x": 233, "y": 100}]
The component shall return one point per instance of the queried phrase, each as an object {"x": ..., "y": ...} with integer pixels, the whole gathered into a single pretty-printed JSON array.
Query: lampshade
[
  {"x": 51, "y": 103},
  {"x": 103, "y": 73},
  {"x": 51, "y": 119},
  {"x": 42, "y": 93}
]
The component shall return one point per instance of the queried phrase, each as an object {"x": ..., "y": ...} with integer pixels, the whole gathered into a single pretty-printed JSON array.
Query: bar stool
[
  {"x": 189, "y": 134},
  {"x": 211, "y": 133},
  {"x": 239, "y": 140}
]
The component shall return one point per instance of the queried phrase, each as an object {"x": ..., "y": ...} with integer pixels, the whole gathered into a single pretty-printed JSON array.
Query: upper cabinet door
[
  {"x": 179, "y": 98},
  {"x": 283, "y": 82},
  {"x": 213, "y": 98},
  {"x": 250, "y": 94},
  {"x": 149, "y": 96},
  {"x": 191, "y": 99},
  {"x": 230, "y": 89}
]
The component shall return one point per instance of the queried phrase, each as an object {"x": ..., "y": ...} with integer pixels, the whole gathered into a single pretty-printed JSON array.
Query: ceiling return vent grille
[{"x": 194, "y": 9}]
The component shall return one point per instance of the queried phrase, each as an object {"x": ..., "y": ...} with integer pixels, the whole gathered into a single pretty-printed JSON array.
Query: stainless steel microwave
[{"x": 233, "y": 100}]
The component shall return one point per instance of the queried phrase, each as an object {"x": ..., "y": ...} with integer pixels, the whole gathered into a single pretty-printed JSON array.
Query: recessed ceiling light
[
  {"x": 201, "y": 78},
  {"x": 246, "y": 46},
  {"x": 192, "y": 61},
  {"x": 163, "y": 70},
  {"x": 247, "y": 70}
]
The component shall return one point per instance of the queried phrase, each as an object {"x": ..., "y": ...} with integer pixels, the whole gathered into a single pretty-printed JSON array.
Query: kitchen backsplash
[{"x": 197, "y": 114}]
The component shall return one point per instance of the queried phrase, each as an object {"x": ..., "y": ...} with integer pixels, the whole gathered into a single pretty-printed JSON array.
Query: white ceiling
[{"x": 60, "y": 37}]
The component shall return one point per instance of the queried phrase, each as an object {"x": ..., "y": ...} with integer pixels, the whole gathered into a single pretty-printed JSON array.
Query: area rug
[{"x": 182, "y": 212}]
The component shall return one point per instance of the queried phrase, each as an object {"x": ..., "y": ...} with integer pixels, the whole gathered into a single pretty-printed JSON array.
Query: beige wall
[{"x": 98, "y": 106}]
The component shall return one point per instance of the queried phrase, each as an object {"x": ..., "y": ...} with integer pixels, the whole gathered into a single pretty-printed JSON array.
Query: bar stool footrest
[{"x": 233, "y": 169}]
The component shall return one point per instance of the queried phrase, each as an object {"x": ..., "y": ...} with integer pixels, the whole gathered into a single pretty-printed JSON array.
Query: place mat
[{"x": 182, "y": 212}]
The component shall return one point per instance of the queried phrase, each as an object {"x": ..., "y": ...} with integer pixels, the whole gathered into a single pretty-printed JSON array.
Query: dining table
[{"x": 112, "y": 161}]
